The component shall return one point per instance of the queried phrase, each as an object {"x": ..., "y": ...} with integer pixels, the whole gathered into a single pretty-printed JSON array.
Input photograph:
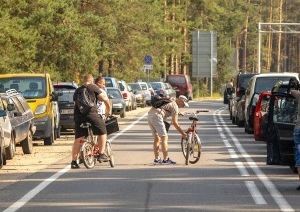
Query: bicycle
[
  {"x": 191, "y": 147},
  {"x": 89, "y": 151}
]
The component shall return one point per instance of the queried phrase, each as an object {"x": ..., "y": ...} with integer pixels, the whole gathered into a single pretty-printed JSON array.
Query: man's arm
[
  {"x": 176, "y": 125},
  {"x": 103, "y": 97}
]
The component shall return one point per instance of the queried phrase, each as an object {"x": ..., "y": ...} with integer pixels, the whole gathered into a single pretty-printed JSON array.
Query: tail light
[{"x": 125, "y": 95}]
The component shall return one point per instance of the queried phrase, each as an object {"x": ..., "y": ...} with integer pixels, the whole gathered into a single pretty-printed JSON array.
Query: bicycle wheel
[
  {"x": 110, "y": 154},
  {"x": 87, "y": 155},
  {"x": 195, "y": 150},
  {"x": 184, "y": 148}
]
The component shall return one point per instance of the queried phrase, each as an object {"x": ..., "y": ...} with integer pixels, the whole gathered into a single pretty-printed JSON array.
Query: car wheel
[
  {"x": 27, "y": 144},
  {"x": 273, "y": 155},
  {"x": 50, "y": 140},
  {"x": 10, "y": 150}
]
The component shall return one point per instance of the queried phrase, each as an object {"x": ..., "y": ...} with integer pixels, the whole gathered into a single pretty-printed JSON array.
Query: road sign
[
  {"x": 148, "y": 59},
  {"x": 148, "y": 66}
]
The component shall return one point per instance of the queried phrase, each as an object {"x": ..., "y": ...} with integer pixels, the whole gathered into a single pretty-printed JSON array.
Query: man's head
[
  {"x": 100, "y": 82},
  {"x": 89, "y": 79},
  {"x": 182, "y": 101}
]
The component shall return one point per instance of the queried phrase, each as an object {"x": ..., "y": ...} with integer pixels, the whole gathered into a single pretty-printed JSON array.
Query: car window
[
  {"x": 122, "y": 87},
  {"x": 27, "y": 86},
  {"x": 267, "y": 83},
  {"x": 136, "y": 87},
  {"x": 65, "y": 96},
  {"x": 176, "y": 79},
  {"x": 64, "y": 87},
  {"x": 18, "y": 105},
  {"x": 285, "y": 109},
  {"x": 24, "y": 103},
  {"x": 114, "y": 94}
]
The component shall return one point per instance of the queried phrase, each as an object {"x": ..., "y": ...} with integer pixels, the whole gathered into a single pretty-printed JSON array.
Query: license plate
[{"x": 67, "y": 111}]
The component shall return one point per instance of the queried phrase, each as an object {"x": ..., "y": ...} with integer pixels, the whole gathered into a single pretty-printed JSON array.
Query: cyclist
[
  {"x": 156, "y": 117},
  {"x": 98, "y": 125}
]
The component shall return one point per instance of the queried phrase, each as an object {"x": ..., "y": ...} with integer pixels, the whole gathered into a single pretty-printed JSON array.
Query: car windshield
[
  {"x": 176, "y": 79},
  {"x": 156, "y": 85},
  {"x": 136, "y": 87},
  {"x": 29, "y": 87},
  {"x": 267, "y": 83},
  {"x": 114, "y": 93}
]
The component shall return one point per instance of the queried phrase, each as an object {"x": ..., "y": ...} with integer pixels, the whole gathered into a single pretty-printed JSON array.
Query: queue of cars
[
  {"x": 269, "y": 112},
  {"x": 33, "y": 108}
]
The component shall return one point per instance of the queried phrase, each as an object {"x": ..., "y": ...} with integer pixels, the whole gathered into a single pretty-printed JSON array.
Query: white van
[{"x": 258, "y": 84}]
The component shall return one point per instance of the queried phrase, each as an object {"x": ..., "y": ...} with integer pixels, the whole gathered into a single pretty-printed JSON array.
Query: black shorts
[{"x": 98, "y": 125}]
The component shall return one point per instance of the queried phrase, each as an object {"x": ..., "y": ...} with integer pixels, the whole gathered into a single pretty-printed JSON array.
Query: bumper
[
  {"x": 43, "y": 127},
  {"x": 67, "y": 121}
]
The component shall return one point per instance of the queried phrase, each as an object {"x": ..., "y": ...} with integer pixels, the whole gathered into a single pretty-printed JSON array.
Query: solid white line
[
  {"x": 27, "y": 197},
  {"x": 257, "y": 197},
  {"x": 243, "y": 171},
  {"x": 276, "y": 195}
]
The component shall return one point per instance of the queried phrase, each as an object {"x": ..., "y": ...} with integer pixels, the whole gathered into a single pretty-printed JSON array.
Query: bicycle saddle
[
  {"x": 85, "y": 125},
  {"x": 193, "y": 118}
]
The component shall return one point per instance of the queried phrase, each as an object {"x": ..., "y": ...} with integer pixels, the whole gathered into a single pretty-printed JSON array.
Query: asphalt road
[{"x": 231, "y": 175}]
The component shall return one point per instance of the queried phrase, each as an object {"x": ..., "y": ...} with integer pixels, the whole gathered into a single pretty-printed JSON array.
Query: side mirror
[{"x": 54, "y": 96}]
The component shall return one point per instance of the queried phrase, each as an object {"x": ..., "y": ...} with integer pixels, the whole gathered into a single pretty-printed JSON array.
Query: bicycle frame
[{"x": 191, "y": 147}]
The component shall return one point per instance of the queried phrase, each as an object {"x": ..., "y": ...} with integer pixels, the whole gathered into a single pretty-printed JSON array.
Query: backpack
[
  {"x": 83, "y": 100},
  {"x": 158, "y": 101}
]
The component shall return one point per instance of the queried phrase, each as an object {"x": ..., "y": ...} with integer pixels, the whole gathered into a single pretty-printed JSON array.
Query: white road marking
[
  {"x": 27, "y": 197},
  {"x": 276, "y": 195},
  {"x": 257, "y": 197}
]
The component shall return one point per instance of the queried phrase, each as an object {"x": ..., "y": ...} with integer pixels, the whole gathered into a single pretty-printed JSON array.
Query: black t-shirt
[{"x": 94, "y": 91}]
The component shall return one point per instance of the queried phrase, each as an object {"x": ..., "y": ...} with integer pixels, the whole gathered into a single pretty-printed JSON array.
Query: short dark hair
[{"x": 98, "y": 79}]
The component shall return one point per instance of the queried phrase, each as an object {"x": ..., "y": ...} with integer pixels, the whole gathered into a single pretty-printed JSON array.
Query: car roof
[{"x": 276, "y": 74}]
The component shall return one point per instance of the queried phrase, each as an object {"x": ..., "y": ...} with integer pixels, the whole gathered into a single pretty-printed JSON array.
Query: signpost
[{"x": 147, "y": 67}]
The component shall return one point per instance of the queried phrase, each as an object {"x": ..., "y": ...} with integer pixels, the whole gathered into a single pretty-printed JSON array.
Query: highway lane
[{"x": 230, "y": 176}]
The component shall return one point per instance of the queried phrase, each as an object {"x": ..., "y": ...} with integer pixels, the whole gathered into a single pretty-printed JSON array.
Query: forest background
[{"x": 69, "y": 38}]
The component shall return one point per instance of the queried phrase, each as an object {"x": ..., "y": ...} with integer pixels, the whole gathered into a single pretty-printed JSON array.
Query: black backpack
[
  {"x": 83, "y": 100},
  {"x": 158, "y": 101}
]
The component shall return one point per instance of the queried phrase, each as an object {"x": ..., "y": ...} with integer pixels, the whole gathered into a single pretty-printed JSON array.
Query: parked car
[
  {"x": 169, "y": 90},
  {"x": 22, "y": 122},
  {"x": 38, "y": 91},
  {"x": 240, "y": 112},
  {"x": 241, "y": 82},
  {"x": 112, "y": 82},
  {"x": 159, "y": 87},
  {"x": 281, "y": 116},
  {"x": 182, "y": 84},
  {"x": 147, "y": 92},
  {"x": 139, "y": 94},
  {"x": 65, "y": 104},
  {"x": 118, "y": 103},
  {"x": 258, "y": 84},
  {"x": 128, "y": 95},
  {"x": 260, "y": 116},
  {"x": 5, "y": 127}
]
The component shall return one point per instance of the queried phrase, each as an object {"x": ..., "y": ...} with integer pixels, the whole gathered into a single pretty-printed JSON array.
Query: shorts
[
  {"x": 98, "y": 125},
  {"x": 156, "y": 124},
  {"x": 297, "y": 147}
]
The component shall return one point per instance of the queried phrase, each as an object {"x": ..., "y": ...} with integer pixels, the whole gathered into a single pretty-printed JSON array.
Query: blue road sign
[{"x": 148, "y": 59}]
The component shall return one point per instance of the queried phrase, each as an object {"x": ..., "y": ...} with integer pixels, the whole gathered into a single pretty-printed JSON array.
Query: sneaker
[
  {"x": 168, "y": 162},
  {"x": 298, "y": 188},
  {"x": 157, "y": 161},
  {"x": 74, "y": 165},
  {"x": 102, "y": 158}
]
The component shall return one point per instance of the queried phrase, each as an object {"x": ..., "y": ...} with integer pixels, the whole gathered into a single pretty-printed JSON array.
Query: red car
[{"x": 260, "y": 116}]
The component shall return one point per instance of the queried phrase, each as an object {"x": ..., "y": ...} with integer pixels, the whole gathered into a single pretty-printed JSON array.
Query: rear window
[
  {"x": 267, "y": 83},
  {"x": 176, "y": 79},
  {"x": 60, "y": 87},
  {"x": 66, "y": 95},
  {"x": 243, "y": 81}
]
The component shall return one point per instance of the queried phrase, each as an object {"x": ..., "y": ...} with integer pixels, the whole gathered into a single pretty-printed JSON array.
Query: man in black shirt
[{"x": 98, "y": 125}]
